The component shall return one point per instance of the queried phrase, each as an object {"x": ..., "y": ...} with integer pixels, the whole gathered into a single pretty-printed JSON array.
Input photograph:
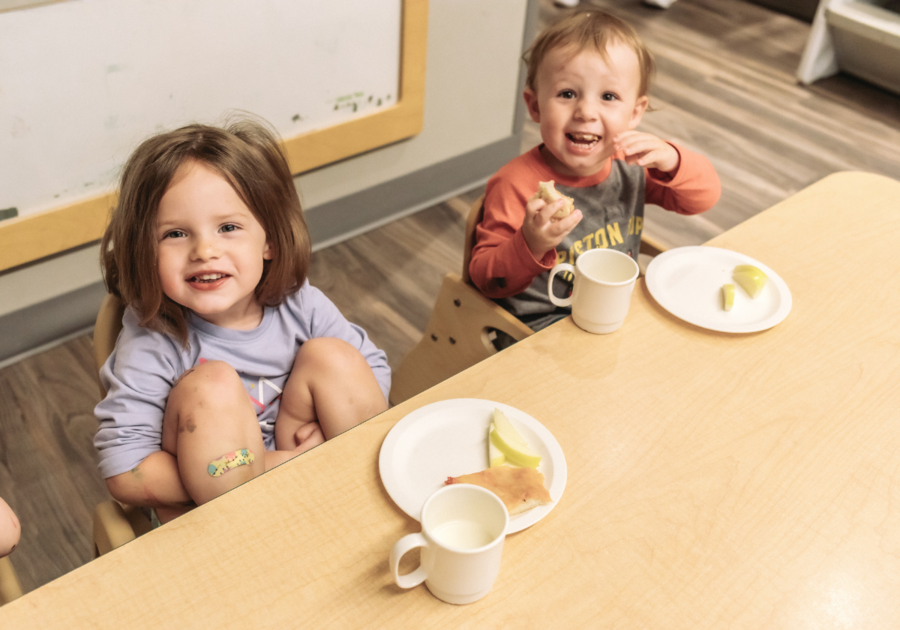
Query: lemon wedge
[
  {"x": 727, "y": 296},
  {"x": 515, "y": 453},
  {"x": 750, "y": 278},
  {"x": 495, "y": 455}
]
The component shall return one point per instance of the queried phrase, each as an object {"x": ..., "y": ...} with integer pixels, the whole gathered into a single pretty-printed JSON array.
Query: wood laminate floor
[{"x": 725, "y": 88}]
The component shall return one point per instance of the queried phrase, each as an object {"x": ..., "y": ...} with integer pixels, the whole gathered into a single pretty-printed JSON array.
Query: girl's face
[
  {"x": 211, "y": 248},
  {"x": 582, "y": 102}
]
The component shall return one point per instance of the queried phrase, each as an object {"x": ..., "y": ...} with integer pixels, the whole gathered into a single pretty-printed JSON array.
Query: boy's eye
[
  {"x": 567, "y": 94},
  {"x": 229, "y": 227},
  {"x": 609, "y": 96}
]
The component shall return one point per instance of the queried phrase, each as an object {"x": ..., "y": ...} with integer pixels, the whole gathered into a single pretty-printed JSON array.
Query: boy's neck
[{"x": 551, "y": 162}]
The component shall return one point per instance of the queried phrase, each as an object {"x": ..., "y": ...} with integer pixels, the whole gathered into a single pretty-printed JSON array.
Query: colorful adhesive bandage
[{"x": 230, "y": 460}]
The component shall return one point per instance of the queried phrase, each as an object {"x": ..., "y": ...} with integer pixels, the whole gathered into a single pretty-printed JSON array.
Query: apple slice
[
  {"x": 515, "y": 453},
  {"x": 495, "y": 455},
  {"x": 727, "y": 296},
  {"x": 750, "y": 278},
  {"x": 504, "y": 426}
]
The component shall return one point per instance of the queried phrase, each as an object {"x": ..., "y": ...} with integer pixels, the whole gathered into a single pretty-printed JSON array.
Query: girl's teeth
[{"x": 209, "y": 276}]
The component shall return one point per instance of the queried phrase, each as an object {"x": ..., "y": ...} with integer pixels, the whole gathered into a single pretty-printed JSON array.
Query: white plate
[
  {"x": 448, "y": 439},
  {"x": 687, "y": 282}
]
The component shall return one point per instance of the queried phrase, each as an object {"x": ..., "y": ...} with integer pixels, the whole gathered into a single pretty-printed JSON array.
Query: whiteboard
[{"x": 83, "y": 82}]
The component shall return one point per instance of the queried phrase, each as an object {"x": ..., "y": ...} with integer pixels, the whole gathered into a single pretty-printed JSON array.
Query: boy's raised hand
[
  {"x": 541, "y": 232},
  {"x": 645, "y": 149}
]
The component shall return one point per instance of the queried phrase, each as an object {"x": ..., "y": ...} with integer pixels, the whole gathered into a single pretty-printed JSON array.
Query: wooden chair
[
  {"x": 461, "y": 329},
  {"x": 114, "y": 523},
  {"x": 10, "y": 588}
]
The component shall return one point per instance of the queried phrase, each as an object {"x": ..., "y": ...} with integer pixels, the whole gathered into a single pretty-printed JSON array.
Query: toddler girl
[{"x": 229, "y": 362}]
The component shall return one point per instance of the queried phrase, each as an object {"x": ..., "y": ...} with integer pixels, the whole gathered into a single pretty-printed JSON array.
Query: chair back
[
  {"x": 476, "y": 213},
  {"x": 106, "y": 330}
]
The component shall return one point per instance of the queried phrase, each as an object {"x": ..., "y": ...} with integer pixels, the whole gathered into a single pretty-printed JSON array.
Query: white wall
[{"x": 473, "y": 64}]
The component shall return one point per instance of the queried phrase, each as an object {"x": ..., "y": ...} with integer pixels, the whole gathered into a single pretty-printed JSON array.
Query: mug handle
[
  {"x": 404, "y": 545},
  {"x": 559, "y": 301}
]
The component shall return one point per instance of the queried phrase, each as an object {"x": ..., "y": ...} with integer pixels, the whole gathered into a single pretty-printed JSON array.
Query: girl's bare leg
[
  {"x": 209, "y": 420},
  {"x": 330, "y": 384}
]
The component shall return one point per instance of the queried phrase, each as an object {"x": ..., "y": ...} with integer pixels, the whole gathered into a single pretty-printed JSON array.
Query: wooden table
[{"x": 714, "y": 480}]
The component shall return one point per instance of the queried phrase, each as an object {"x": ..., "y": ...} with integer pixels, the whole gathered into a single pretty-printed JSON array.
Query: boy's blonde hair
[
  {"x": 247, "y": 154},
  {"x": 588, "y": 30}
]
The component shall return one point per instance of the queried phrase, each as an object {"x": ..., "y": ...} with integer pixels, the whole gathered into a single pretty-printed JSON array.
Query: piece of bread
[
  {"x": 520, "y": 489},
  {"x": 547, "y": 191}
]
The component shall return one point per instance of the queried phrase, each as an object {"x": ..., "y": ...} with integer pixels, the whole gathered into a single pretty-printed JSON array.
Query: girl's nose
[{"x": 205, "y": 249}]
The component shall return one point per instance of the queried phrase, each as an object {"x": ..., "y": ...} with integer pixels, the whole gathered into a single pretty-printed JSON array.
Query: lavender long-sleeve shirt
[{"x": 146, "y": 364}]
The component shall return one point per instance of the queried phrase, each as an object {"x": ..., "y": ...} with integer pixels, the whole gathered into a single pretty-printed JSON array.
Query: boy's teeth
[{"x": 584, "y": 137}]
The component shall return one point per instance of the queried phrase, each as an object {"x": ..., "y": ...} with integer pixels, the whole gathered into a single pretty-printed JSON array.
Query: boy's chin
[{"x": 575, "y": 166}]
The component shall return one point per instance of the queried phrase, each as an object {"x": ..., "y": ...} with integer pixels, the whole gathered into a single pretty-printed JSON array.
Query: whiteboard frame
[{"x": 39, "y": 235}]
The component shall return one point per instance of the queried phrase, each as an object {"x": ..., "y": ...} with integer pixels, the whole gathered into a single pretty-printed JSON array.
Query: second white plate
[
  {"x": 687, "y": 282},
  {"x": 448, "y": 439}
]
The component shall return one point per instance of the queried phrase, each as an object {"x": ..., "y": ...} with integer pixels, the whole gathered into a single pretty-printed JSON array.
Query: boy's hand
[
  {"x": 543, "y": 233},
  {"x": 645, "y": 149}
]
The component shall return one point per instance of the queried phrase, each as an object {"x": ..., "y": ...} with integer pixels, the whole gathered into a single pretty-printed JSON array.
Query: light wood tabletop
[{"x": 714, "y": 480}]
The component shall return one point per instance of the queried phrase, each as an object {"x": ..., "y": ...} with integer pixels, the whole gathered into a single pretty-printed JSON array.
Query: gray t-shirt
[
  {"x": 613, "y": 218},
  {"x": 145, "y": 365}
]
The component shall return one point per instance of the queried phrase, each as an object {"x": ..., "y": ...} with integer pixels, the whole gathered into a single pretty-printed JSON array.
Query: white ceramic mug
[
  {"x": 463, "y": 529},
  {"x": 601, "y": 295}
]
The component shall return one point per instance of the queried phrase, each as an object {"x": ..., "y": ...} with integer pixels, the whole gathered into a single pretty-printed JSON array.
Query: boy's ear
[
  {"x": 531, "y": 101},
  {"x": 640, "y": 106},
  {"x": 267, "y": 252}
]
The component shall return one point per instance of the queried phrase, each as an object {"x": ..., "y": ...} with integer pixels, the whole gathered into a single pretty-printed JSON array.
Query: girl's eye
[
  {"x": 174, "y": 234},
  {"x": 229, "y": 227},
  {"x": 567, "y": 94}
]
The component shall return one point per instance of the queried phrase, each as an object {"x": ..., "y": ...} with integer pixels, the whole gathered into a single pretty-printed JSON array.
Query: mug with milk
[
  {"x": 601, "y": 293},
  {"x": 463, "y": 529}
]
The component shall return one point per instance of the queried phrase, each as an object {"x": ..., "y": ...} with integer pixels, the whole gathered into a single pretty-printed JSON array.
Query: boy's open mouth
[
  {"x": 583, "y": 139},
  {"x": 207, "y": 277}
]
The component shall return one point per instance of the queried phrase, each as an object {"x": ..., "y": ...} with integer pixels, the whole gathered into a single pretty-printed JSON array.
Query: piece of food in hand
[
  {"x": 495, "y": 456},
  {"x": 520, "y": 489},
  {"x": 727, "y": 296},
  {"x": 547, "y": 191},
  {"x": 750, "y": 278}
]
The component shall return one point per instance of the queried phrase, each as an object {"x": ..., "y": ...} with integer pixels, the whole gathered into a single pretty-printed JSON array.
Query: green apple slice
[
  {"x": 495, "y": 455},
  {"x": 750, "y": 278},
  {"x": 727, "y": 296},
  {"x": 515, "y": 453},
  {"x": 506, "y": 428}
]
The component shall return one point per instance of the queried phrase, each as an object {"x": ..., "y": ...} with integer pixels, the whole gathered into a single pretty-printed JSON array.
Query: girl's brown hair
[
  {"x": 247, "y": 154},
  {"x": 584, "y": 30}
]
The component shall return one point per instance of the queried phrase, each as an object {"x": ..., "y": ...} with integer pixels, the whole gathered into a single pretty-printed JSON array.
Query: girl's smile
[{"x": 211, "y": 248}]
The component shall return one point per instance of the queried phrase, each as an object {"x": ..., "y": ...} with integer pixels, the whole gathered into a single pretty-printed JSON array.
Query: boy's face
[
  {"x": 211, "y": 248},
  {"x": 582, "y": 102}
]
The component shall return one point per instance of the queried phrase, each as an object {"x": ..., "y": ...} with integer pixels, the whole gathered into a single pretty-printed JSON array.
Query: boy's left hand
[{"x": 645, "y": 149}]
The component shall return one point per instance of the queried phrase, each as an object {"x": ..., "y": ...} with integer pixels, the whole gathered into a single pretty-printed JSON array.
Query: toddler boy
[{"x": 588, "y": 77}]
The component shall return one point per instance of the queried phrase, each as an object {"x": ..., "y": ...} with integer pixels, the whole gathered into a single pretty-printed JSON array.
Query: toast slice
[{"x": 520, "y": 489}]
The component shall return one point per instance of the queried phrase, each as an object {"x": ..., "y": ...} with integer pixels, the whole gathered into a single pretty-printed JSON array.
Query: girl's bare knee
[{"x": 329, "y": 355}]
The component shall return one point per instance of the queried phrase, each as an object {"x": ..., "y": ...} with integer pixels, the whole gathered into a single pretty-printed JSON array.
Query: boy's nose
[{"x": 586, "y": 110}]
